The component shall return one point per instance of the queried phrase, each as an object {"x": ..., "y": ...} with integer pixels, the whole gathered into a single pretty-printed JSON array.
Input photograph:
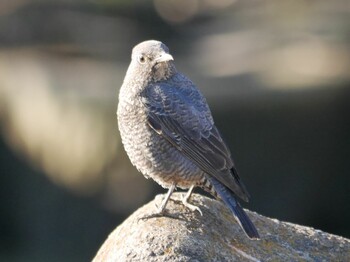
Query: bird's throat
[{"x": 163, "y": 71}]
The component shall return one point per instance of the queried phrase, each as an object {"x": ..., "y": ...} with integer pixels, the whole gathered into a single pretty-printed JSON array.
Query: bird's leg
[
  {"x": 188, "y": 195},
  {"x": 188, "y": 205},
  {"x": 166, "y": 199}
]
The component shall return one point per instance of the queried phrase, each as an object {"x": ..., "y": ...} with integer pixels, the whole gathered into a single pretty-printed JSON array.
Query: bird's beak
[{"x": 164, "y": 58}]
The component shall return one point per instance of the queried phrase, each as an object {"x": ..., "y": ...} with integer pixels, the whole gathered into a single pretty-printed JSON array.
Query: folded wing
[{"x": 180, "y": 114}]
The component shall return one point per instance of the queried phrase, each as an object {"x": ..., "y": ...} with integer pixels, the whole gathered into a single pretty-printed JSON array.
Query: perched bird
[{"x": 169, "y": 134}]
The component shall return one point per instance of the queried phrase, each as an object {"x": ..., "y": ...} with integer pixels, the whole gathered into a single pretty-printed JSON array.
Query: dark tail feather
[{"x": 229, "y": 198}]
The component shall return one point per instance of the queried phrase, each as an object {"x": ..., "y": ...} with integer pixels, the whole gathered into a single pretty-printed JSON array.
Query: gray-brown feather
[
  {"x": 167, "y": 128},
  {"x": 152, "y": 154}
]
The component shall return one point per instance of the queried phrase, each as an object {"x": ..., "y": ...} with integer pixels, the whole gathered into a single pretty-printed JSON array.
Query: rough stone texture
[{"x": 182, "y": 235}]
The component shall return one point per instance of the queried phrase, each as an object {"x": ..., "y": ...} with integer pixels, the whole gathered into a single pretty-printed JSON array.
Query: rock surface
[{"x": 182, "y": 235}]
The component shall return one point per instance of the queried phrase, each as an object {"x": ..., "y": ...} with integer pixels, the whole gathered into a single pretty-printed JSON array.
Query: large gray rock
[{"x": 183, "y": 235}]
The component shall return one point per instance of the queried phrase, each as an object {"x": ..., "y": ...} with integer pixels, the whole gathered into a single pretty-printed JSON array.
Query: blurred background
[{"x": 275, "y": 73}]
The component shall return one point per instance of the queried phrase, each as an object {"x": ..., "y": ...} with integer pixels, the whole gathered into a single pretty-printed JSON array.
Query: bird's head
[{"x": 151, "y": 61}]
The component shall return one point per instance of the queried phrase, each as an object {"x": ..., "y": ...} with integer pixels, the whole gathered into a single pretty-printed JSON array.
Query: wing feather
[{"x": 184, "y": 119}]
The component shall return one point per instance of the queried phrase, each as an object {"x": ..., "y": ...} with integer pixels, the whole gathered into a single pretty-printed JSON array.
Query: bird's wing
[{"x": 181, "y": 115}]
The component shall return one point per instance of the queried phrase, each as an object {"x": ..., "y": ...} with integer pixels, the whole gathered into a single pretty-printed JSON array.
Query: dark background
[{"x": 276, "y": 75}]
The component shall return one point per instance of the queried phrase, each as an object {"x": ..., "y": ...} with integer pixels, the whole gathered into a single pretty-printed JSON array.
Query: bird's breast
[{"x": 149, "y": 152}]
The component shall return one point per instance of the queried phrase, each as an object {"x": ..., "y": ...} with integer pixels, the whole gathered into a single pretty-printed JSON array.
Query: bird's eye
[{"x": 142, "y": 59}]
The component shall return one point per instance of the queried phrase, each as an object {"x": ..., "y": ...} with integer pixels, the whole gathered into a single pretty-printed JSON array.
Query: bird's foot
[
  {"x": 153, "y": 215},
  {"x": 160, "y": 209},
  {"x": 160, "y": 212},
  {"x": 190, "y": 206}
]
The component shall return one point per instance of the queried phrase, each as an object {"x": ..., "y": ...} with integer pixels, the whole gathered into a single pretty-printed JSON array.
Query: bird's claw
[
  {"x": 160, "y": 209},
  {"x": 191, "y": 207}
]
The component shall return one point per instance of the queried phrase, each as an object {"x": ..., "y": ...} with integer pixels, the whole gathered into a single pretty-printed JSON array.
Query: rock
[{"x": 183, "y": 235}]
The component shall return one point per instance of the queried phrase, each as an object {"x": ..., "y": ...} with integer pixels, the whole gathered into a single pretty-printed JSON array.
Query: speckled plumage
[{"x": 169, "y": 134}]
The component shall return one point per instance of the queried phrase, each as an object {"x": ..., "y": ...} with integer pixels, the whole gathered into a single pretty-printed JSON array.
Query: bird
[{"x": 169, "y": 135}]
